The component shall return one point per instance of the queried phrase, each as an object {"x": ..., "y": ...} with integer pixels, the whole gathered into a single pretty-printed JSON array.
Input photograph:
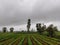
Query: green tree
[
  {"x": 39, "y": 28},
  {"x": 4, "y": 29},
  {"x": 44, "y": 28},
  {"x": 50, "y": 30},
  {"x": 55, "y": 28},
  {"x": 28, "y": 24},
  {"x": 11, "y": 29}
]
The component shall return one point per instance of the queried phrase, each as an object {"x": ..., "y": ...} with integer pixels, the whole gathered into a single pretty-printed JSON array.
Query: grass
[
  {"x": 29, "y": 41},
  {"x": 12, "y": 38}
]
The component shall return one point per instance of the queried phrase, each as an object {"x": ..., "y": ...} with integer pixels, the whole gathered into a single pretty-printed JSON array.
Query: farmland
[{"x": 27, "y": 39}]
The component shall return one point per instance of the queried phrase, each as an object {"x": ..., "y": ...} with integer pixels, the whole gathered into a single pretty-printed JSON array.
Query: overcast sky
[{"x": 16, "y": 12}]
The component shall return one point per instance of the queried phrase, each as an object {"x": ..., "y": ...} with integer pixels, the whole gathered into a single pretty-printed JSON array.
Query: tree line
[
  {"x": 5, "y": 29},
  {"x": 51, "y": 29}
]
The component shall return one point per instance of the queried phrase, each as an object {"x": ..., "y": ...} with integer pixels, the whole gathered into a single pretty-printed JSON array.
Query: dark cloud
[{"x": 16, "y": 12}]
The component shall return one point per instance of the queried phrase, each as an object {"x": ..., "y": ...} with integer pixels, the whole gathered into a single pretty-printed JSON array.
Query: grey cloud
[{"x": 13, "y": 13}]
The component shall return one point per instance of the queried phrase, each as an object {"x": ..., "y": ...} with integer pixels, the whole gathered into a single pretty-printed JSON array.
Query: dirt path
[
  {"x": 33, "y": 42},
  {"x": 7, "y": 41},
  {"x": 41, "y": 41},
  {"x": 25, "y": 42},
  {"x": 17, "y": 41}
]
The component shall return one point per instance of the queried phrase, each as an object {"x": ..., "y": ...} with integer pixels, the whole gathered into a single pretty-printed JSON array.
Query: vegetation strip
[
  {"x": 36, "y": 41},
  {"x": 7, "y": 42},
  {"x": 16, "y": 38},
  {"x": 44, "y": 39},
  {"x": 17, "y": 41},
  {"x": 33, "y": 41},
  {"x": 53, "y": 39},
  {"x": 47, "y": 40},
  {"x": 21, "y": 42},
  {"x": 29, "y": 41},
  {"x": 13, "y": 42}
]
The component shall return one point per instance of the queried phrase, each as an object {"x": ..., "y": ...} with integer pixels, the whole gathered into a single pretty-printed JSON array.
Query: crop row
[
  {"x": 27, "y": 39},
  {"x": 47, "y": 40}
]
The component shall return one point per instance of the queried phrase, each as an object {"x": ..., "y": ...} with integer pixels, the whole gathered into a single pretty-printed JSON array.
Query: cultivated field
[{"x": 26, "y": 39}]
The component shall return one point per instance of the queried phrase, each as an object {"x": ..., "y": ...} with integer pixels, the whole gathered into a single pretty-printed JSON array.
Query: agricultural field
[{"x": 27, "y": 39}]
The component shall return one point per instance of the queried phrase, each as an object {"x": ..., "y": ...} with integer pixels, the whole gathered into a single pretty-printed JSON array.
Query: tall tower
[{"x": 28, "y": 24}]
